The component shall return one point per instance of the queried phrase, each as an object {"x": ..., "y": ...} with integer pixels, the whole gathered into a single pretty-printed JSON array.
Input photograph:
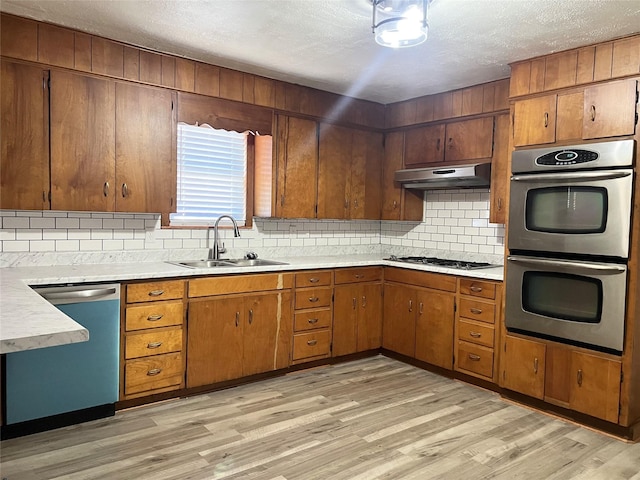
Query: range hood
[{"x": 457, "y": 176}]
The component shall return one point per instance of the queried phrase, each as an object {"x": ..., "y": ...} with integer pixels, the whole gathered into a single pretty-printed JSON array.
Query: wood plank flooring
[{"x": 375, "y": 418}]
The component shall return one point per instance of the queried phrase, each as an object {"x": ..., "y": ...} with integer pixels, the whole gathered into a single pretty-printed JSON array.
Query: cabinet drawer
[
  {"x": 351, "y": 275},
  {"x": 312, "y": 319},
  {"x": 313, "y": 297},
  {"x": 311, "y": 344},
  {"x": 153, "y": 343},
  {"x": 475, "y": 359},
  {"x": 224, "y": 284},
  {"x": 476, "y": 310},
  {"x": 313, "y": 279},
  {"x": 152, "y": 373},
  {"x": 152, "y": 291},
  {"x": 477, "y": 288},
  {"x": 153, "y": 315},
  {"x": 476, "y": 332}
]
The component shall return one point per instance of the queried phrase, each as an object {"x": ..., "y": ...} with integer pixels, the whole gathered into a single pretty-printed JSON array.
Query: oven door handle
[
  {"x": 563, "y": 177},
  {"x": 588, "y": 267}
]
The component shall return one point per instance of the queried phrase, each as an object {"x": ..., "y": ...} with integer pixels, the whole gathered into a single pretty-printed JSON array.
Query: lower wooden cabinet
[
  {"x": 434, "y": 328},
  {"x": 153, "y": 339},
  {"x": 399, "y": 319},
  {"x": 587, "y": 382},
  {"x": 235, "y": 336}
]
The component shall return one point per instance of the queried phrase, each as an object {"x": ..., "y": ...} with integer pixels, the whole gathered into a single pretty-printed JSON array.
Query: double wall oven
[{"x": 569, "y": 236}]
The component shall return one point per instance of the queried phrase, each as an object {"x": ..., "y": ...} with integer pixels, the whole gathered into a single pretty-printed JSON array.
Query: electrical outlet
[{"x": 293, "y": 228}]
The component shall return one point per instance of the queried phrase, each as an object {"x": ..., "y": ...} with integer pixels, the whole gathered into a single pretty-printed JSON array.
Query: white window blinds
[{"x": 212, "y": 175}]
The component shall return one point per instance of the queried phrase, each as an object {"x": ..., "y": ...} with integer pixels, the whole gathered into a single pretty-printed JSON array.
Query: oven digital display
[{"x": 567, "y": 157}]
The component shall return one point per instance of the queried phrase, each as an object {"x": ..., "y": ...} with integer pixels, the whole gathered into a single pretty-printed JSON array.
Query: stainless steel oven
[
  {"x": 576, "y": 302},
  {"x": 572, "y": 200}
]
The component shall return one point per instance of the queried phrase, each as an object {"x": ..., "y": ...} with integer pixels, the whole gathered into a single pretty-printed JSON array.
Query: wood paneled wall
[
  {"x": 604, "y": 61},
  {"x": 34, "y": 41}
]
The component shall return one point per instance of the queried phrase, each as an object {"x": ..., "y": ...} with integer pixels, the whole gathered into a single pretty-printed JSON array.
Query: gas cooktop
[{"x": 443, "y": 262}]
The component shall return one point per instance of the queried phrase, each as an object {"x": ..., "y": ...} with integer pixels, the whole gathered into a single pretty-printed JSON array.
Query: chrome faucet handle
[{"x": 251, "y": 255}]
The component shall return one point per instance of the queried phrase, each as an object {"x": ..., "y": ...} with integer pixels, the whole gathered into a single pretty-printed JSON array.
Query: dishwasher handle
[{"x": 79, "y": 294}]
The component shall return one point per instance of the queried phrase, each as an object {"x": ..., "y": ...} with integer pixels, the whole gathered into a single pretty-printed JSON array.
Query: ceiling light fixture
[{"x": 400, "y": 23}]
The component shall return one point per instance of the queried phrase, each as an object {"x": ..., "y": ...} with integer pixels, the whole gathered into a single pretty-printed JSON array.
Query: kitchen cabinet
[
  {"x": 357, "y": 310},
  {"x": 418, "y": 318},
  {"x": 598, "y": 111},
  {"x": 454, "y": 142},
  {"x": 349, "y": 173},
  {"x": 153, "y": 339},
  {"x": 296, "y": 154},
  {"x": 237, "y": 326},
  {"x": 145, "y": 150},
  {"x": 398, "y": 203},
  {"x": 476, "y": 336},
  {"x": 313, "y": 304},
  {"x": 587, "y": 382},
  {"x": 24, "y": 159},
  {"x": 500, "y": 171},
  {"x": 83, "y": 158},
  {"x": 523, "y": 366},
  {"x": 112, "y": 146}
]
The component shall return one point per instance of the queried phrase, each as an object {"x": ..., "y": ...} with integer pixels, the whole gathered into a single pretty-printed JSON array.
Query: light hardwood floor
[{"x": 362, "y": 420}]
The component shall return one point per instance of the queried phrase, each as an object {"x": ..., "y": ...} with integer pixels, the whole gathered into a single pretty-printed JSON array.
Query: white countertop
[{"x": 27, "y": 321}]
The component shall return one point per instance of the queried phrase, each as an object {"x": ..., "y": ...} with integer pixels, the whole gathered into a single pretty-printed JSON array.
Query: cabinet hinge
[
  {"x": 455, "y": 307},
  {"x": 621, "y": 377},
  {"x": 172, "y": 105},
  {"x": 331, "y": 347},
  {"x": 49, "y": 195},
  {"x": 316, "y": 209}
]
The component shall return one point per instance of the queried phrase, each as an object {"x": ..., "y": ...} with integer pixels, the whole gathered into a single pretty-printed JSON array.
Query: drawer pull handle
[
  {"x": 535, "y": 365},
  {"x": 421, "y": 308},
  {"x": 105, "y": 189},
  {"x": 354, "y": 302},
  {"x": 154, "y": 318},
  {"x": 546, "y": 119},
  {"x": 359, "y": 275},
  {"x": 250, "y": 316},
  {"x": 125, "y": 190},
  {"x": 314, "y": 280},
  {"x": 313, "y": 321},
  {"x": 593, "y": 113},
  {"x": 311, "y": 343},
  {"x": 156, "y": 293},
  {"x": 475, "y": 358},
  {"x": 237, "y": 319},
  {"x": 154, "y": 371},
  {"x": 477, "y": 311},
  {"x": 364, "y": 301},
  {"x": 475, "y": 288},
  {"x": 579, "y": 377},
  {"x": 411, "y": 305},
  {"x": 475, "y": 334},
  {"x": 154, "y": 344},
  {"x": 313, "y": 299}
]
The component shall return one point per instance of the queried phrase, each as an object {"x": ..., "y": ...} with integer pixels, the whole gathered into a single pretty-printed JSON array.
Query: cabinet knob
[
  {"x": 395, "y": 204},
  {"x": 359, "y": 275}
]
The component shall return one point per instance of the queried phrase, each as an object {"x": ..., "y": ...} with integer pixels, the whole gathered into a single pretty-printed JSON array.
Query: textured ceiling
[{"x": 329, "y": 45}]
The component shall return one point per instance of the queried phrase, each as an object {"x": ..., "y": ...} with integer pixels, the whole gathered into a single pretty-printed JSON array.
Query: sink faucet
[{"x": 217, "y": 249}]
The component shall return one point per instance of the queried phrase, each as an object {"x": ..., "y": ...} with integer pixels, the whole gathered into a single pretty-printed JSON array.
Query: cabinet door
[
  {"x": 296, "y": 167},
  {"x": 334, "y": 171},
  {"x": 214, "y": 341},
  {"x": 595, "y": 386},
  {"x": 534, "y": 121},
  {"x": 260, "y": 333},
  {"x": 424, "y": 145},
  {"x": 82, "y": 142},
  {"x": 500, "y": 171},
  {"x": 523, "y": 366},
  {"x": 610, "y": 109},
  {"x": 366, "y": 174},
  {"x": 434, "y": 328},
  {"x": 345, "y": 324},
  {"x": 398, "y": 203},
  {"x": 469, "y": 140},
  {"x": 399, "y": 319},
  {"x": 370, "y": 317},
  {"x": 145, "y": 161},
  {"x": 24, "y": 160}
]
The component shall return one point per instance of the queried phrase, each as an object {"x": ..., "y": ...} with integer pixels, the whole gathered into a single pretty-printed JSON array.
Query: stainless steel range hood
[{"x": 459, "y": 176}]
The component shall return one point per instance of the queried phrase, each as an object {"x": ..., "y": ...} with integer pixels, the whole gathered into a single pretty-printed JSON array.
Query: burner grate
[{"x": 442, "y": 262}]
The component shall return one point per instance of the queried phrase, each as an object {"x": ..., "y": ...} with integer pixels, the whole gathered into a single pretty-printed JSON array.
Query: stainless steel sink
[{"x": 233, "y": 262}]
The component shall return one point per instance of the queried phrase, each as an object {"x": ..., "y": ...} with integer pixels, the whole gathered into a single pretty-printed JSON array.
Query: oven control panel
[{"x": 567, "y": 157}]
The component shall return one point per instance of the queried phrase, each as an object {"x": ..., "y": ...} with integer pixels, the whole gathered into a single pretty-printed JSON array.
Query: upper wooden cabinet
[
  {"x": 500, "y": 171},
  {"x": 83, "y": 167},
  {"x": 24, "y": 160},
  {"x": 145, "y": 153},
  {"x": 454, "y": 142},
  {"x": 398, "y": 203},
  {"x": 599, "y": 111},
  {"x": 296, "y": 153},
  {"x": 349, "y": 173}
]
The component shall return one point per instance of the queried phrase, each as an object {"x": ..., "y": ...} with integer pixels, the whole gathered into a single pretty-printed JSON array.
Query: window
[{"x": 212, "y": 175}]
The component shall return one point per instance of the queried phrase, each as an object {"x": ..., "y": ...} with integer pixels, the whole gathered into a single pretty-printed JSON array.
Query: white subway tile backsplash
[
  {"x": 41, "y": 222},
  {"x": 15, "y": 222},
  {"x": 42, "y": 246},
  {"x": 67, "y": 245},
  {"x": 65, "y": 222}
]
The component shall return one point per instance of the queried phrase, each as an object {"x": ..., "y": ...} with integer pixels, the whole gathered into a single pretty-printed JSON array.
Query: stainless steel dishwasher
[{"x": 57, "y": 386}]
